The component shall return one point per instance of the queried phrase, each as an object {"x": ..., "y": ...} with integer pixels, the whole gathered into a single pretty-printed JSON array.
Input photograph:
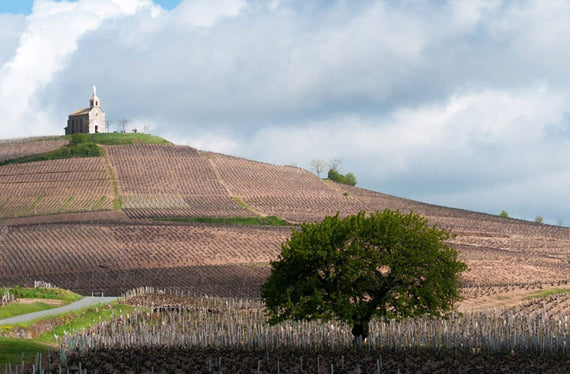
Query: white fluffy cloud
[
  {"x": 462, "y": 103},
  {"x": 49, "y": 39},
  {"x": 204, "y": 13}
]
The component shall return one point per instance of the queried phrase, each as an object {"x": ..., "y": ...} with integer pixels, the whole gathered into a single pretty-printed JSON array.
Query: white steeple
[{"x": 94, "y": 102}]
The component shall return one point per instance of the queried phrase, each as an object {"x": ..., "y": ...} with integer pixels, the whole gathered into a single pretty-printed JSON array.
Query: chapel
[{"x": 89, "y": 120}]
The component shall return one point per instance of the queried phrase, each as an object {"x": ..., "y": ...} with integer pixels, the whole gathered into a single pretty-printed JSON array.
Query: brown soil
[
  {"x": 290, "y": 360},
  {"x": 112, "y": 251},
  {"x": 104, "y": 216}
]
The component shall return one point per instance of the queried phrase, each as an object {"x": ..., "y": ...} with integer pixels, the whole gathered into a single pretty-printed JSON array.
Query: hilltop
[{"x": 98, "y": 223}]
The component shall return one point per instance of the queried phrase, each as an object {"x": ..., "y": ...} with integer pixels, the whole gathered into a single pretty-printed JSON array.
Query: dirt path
[{"x": 86, "y": 301}]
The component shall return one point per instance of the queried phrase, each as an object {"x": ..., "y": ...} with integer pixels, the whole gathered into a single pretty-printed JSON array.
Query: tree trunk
[{"x": 360, "y": 331}]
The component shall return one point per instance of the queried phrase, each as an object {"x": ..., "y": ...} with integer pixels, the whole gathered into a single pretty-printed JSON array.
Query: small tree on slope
[{"x": 387, "y": 264}]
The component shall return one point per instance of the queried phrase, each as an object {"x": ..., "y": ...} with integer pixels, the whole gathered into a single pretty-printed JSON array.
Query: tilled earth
[{"x": 235, "y": 360}]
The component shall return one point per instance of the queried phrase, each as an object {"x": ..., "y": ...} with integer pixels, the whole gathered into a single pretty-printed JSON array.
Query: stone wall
[{"x": 96, "y": 120}]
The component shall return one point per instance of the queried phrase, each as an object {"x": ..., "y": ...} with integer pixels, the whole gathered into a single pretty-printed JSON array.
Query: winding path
[{"x": 86, "y": 301}]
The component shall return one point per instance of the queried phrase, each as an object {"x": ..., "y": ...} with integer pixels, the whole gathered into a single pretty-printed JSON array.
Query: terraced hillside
[
  {"x": 28, "y": 146},
  {"x": 170, "y": 181},
  {"x": 114, "y": 258},
  {"x": 90, "y": 252},
  {"x": 52, "y": 187},
  {"x": 284, "y": 191}
]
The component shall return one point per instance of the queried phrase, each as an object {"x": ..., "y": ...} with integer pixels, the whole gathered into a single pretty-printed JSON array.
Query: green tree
[
  {"x": 504, "y": 214},
  {"x": 387, "y": 264},
  {"x": 78, "y": 138},
  {"x": 337, "y": 177},
  {"x": 350, "y": 179},
  {"x": 539, "y": 219}
]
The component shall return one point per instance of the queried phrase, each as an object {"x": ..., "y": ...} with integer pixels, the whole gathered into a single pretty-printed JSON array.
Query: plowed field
[{"x": 113, "y": 253}]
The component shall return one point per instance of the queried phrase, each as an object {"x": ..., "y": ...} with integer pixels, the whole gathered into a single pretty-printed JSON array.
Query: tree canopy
[
  {"x": 337, "y": 177},
  {"x": 386, "y": 264}
]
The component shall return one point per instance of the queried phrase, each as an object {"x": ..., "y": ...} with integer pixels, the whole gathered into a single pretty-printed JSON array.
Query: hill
[{"x": 91, "y": 224}]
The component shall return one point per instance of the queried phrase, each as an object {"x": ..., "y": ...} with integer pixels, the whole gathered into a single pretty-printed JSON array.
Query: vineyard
[
  {"x": 170, "y": 181},
  {"x": 101, "y": 246},
  {"x": 284, "y": 191},
  {"x": 52, "y": 187},
  {"x": 28, "y": 146},
  {"x": 172, "y": 331},
  {"x": 204, "y": 322},
  {"x": 164, "y": 180},
  {"x": 115, "y": 257}
]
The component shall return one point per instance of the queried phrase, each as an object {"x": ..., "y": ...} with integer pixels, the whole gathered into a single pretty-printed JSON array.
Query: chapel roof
[{"x": 80, "y": 112}]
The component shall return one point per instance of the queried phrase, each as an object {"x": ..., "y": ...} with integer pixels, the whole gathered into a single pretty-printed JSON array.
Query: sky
[{"x": 460, "y": 103}]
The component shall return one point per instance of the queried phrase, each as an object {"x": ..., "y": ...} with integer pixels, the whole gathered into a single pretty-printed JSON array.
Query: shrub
[
  {"x": 337, "y": 177},
  {"x": 77, "y": 139}
]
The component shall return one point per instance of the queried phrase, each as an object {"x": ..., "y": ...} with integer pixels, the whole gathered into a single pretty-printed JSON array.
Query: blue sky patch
[{"x": 25, "y": 6}]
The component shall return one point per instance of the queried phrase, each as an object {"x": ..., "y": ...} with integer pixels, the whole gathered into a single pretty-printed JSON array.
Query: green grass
[
  {"x": 12, "y": 349},
  {"x": 65, "y": 204},
  {"x": 43, "y": 293},
  {"x": 556, "y": 291},
  {"x": 123, "y": 138},
  {"x": 31, "y": 207},
  {"x": 241, "y": 203},
  {"x": 88, "y": 148},
  {"x": 67, "y": 151},
  {"x": 99, "y": 202},
  {"x": 117, "y": 203},
  {"x": 17, "y": 309},
  {"x": 83, "y": 318},
  {"x": 250, "y": 221}
]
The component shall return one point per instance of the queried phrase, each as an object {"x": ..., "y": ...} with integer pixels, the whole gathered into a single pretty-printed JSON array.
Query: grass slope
[
  {"x": 16, "y": 309},
  {"x": 42, "y": 293},
  {"x": 68, "y": 151},
  {"x": 124, "y": 138},
  {"x": 14, "y": 350},
  {"x": 88, "y": 148}
]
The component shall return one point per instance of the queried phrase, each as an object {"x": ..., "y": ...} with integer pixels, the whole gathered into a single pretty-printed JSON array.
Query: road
[{"x": 86, "y": 301}]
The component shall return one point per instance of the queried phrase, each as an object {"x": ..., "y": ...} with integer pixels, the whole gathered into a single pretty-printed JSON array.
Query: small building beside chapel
[{"x": 89, "y": 120}]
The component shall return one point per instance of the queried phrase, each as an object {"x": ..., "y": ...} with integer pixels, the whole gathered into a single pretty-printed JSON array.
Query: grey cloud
[
  {"x": 12, "y": 27},
  {"x": 455, "y": 102}
]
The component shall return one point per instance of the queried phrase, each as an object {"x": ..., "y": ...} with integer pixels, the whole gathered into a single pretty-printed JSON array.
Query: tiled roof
[{"x": 80, "y": 112}]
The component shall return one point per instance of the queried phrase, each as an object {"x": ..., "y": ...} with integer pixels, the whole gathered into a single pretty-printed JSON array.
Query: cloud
[
  {"x": 51, "y": 36},
  {"x": 439, "y": 101},
  {"x": 12, "y": 27},
  {"x": 472, "y": 150},
  {"x": 204, "y": 13}
]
